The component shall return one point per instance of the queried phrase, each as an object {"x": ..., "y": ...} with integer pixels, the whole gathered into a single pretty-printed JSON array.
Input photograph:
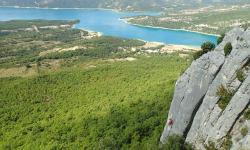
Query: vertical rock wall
[{"x": 194, "y": 111}]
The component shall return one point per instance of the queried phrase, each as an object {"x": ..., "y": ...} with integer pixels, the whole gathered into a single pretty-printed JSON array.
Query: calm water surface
[{"x": 108, "y": 22}]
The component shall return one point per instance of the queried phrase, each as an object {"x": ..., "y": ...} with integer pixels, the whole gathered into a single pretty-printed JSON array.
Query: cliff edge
[{"x": 210, "y": 107}]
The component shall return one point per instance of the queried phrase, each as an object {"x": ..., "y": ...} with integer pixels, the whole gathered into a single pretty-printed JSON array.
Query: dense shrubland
[
  {"x": 89, "y": 102},
  {"x": 24, "y": 47},
  {"x": 118, "y": 105}
]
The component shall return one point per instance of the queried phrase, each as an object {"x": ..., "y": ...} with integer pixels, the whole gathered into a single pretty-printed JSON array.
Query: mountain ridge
[{"x": 120, "y": 4}]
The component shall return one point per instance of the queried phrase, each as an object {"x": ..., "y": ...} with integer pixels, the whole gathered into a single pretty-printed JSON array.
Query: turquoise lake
[{"x": 109, "y": 23}]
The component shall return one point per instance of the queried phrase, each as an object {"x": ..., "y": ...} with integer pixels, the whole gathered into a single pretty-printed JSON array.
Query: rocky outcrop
[
  {"x": 192, "y": 86},
  {"x": 241, "y": 142},
  {"x": 195, "y": 112}
]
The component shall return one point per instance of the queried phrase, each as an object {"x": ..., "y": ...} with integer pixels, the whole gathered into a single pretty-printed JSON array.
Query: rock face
[
  {"x": 192, "y": 86},
  {"x": 195, "y": 112}
]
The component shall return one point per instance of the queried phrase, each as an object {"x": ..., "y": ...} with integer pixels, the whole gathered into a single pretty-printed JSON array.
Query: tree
[
  {"x": 220, "y": 39},
  {"x": 228, "y": 48},
  {"x": 207, "y": 46},
  {"x": 176, "y": 142}
]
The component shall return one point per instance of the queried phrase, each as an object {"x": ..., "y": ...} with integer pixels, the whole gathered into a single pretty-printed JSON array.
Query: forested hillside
[
  {"x": 64, "y": 88},
  {"x": 215, "y": 20}
]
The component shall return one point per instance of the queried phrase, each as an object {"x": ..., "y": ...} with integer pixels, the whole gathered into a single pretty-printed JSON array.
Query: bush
[
  {"x": 28, "y": 66},
  {"x": 220, "y": 39},
  {"x": 225, "y": 96},
  {"x": 205, "y": 47},
  {"x": 227, "y": 143},
  {"x": 240, "y": 75},
  {"x": 210, "y": 146},
  {"x": 247, "y": 114},
  {"x": 198, "y": 54},
  {"x": 176, "y": 142},
  {"x": 244, "y": 131},
  {"x": 228, "y": 48}
]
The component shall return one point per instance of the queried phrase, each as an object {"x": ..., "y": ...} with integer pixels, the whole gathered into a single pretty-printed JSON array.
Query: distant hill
[{"x": 117, "y": 4}]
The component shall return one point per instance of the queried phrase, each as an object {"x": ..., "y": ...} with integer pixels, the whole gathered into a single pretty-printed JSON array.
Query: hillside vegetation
[
  {"x": 215, "y": 20},
  {"x": 90, "y": 108},
  {"x": 68, "y": 89},
  {"x": 17, "y": 24},
  {"x": 32, "y": 48}
]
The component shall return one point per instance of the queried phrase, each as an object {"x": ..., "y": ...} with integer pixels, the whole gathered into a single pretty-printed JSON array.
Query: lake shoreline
[
  {"x": 91, "y": 31},
  {"x": 193, "y": 47},
  {"x": 115, "y": 10},
  {"x": 78, "y": 8},
  {"x": 165, "y": 28},
  {"x": 144, "y": 32}
]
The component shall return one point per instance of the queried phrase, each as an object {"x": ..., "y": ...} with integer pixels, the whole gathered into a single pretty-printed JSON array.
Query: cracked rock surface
[{"x": 195, "y": 112}]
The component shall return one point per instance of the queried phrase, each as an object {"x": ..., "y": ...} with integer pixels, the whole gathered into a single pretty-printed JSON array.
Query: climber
[{"x": 170, "y": 122}]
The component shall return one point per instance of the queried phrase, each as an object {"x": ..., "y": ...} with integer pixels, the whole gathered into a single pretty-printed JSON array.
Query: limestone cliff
[{"x": 198, "y": 111}]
